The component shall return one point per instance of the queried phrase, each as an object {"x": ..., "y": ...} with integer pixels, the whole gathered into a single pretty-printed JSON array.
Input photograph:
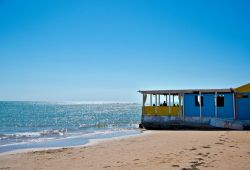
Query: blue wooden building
[{"x": 208, "y": 108}]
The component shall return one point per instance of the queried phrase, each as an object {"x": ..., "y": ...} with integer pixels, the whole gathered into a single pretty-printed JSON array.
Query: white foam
[{"x": 91, "y": 142}]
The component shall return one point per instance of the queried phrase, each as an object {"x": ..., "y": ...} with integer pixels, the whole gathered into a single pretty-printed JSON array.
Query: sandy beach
[{"x": 151, "y": 150}]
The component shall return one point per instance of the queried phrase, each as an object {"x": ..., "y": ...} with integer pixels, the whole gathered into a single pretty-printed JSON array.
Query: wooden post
[
  {"x": 143, "y": 96},
  {"x": 156, "y": 100},
  {"x": 234, "y": 106},
  {"x": 183, "y": 106},
  {"x": 200, "y": 105},
  {"x": 150, "y": 99},
  {"x": 215, "y": 104},
  {"x": 169, "y": 103},
  {"x": 142, "y": 104},
  {"x": 180, "y": 112}
]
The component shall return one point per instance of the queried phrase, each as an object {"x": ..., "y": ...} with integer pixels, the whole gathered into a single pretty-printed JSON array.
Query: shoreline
[
  {"x": 90, "y": 142},
  {"x": 150, "y": 150}
]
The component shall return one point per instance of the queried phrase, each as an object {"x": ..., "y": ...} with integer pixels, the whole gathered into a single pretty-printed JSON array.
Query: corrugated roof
[{"x": 243, "y": 88}]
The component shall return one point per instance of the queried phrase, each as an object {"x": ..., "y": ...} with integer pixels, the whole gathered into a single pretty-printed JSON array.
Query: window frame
[{"x": 196, "y": 100}]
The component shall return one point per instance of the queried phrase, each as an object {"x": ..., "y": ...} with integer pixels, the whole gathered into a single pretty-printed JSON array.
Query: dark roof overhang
[{"x": 186, "y": 91}]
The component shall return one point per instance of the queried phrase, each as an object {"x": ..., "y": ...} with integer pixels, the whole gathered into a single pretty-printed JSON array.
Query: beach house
[{"x": 202, "y": 108}]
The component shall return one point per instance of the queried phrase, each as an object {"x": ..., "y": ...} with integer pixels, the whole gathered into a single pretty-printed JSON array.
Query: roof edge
[
  {"x": 243, "y": 88},
  {"x": 165, "y": 92}
]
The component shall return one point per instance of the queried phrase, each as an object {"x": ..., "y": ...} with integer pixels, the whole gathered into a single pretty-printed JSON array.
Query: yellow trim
[
  {"x": 161, "y": 110},
  {"x": 243, "y": 88}
]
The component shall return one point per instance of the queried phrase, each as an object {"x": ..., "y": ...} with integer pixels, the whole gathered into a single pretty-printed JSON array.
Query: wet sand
[{"x": 152, "y": 150}]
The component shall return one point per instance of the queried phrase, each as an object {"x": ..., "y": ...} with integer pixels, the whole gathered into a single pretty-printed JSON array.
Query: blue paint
[
  {"x": 208, "y": 109},
  {"x": 243, "y": 108},
  {"x": 189, "y": 105},
  {"x": 227, "y": 110}
]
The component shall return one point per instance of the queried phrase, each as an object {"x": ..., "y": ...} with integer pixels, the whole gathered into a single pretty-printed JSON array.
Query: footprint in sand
[
  {"x": 197, "y": 164},
  {"x": 222, "y": 140},
  {"x": 191, "y": 149},
  {"x": 208, "y": 146},
  {"x": 218, "y": 143},
  {"x": 199, "y": 159},
  {"x": 194, "y": 165},
  {"x": 106, "y": 166},
  {"x": 203, "y": 155}
]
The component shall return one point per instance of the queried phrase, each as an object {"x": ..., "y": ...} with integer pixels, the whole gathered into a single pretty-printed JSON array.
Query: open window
[
  {"x": 241, "y": 96},
  {"x": 220, "y": 101},
  {"x": 198, "y": 100},
  {"x": 245, "y": 96}
]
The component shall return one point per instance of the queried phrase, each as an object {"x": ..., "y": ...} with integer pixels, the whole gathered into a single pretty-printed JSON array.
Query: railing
[{"x": 161, "y": 110}]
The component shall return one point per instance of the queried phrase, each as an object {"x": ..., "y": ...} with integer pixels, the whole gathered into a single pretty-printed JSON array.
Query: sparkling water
[{"x": 27, "y": 125}]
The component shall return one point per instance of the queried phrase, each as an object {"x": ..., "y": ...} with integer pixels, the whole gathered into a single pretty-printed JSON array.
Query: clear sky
[{"x": 107, "y": 50}]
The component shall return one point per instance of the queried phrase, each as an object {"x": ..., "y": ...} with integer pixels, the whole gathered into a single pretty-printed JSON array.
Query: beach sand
[{"x": 151, "y": 150}]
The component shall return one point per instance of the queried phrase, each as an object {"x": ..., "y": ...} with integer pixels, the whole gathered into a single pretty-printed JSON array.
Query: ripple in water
[{"x": 25, "y": 125}]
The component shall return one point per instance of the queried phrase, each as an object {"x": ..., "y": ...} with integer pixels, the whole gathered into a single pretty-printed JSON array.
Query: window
[
  {"x": 198, "y": 100},
  {"x": 220, "y": 101},
  {"x": 241, "y": 96},
  {"x": 244, "y": 96}
]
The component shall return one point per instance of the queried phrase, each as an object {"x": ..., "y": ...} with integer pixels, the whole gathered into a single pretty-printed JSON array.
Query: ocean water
[{"x": 30, "y": 125}]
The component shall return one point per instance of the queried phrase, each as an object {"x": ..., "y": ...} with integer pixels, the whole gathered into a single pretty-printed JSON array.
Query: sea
[{"x": 43, "y": 125}]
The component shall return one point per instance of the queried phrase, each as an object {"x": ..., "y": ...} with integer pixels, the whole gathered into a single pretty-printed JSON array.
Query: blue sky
[{"x": 107, "y": 50}]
